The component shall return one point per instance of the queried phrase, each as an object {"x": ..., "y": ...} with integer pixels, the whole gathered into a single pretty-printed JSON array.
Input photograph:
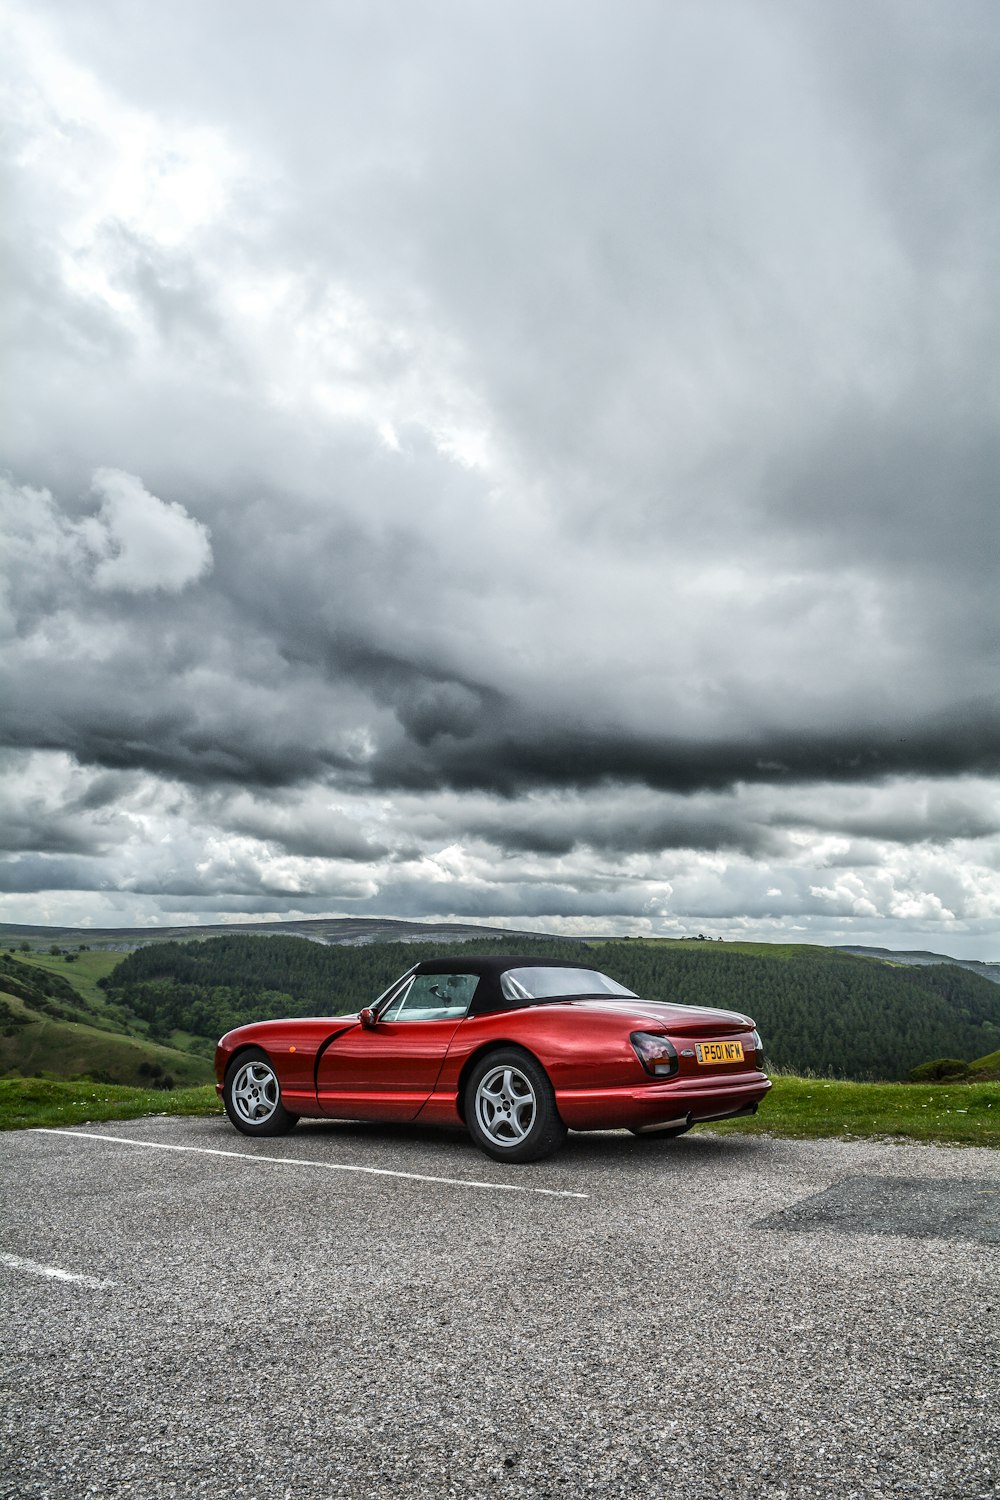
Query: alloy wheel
[
  {"x": 505, "y": 1105},
  {"x": 255, "y": 1093}
]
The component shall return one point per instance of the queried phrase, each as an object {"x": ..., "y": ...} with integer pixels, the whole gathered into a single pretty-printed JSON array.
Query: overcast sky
[{"x": 533, "y": 461}]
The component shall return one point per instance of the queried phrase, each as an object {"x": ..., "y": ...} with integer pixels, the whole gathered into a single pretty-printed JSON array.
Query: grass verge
[
  {"x": 965, "y": 1114},
  {"x": 43, "y": 1101},
  {"x": 800, "y": 1108}
]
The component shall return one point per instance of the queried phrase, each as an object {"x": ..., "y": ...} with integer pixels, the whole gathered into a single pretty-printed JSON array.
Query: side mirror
[{"x": 368, "y": 1018}]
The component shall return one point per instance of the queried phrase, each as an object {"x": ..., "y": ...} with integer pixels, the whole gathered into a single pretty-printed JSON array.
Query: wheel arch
[
  {"x": 495, "y": 1044},
  {"x": 243, "y": 1047}
]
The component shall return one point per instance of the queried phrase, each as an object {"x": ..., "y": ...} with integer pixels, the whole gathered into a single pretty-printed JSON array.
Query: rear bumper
[{"x": 679, "y": 1102}]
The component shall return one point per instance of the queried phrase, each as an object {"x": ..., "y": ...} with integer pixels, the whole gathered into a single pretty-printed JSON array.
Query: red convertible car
[{"x": 518, "y": 1050}]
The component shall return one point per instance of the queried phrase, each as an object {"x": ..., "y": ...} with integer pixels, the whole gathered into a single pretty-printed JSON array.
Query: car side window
[{"x": 434, "y": 997}]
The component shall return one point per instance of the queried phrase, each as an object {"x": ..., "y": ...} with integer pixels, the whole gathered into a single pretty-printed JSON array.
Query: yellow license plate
[{"x": 719, "y": 1052}]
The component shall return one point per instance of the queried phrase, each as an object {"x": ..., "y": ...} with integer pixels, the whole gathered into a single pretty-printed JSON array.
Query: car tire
[
  {"x": 510, "y": 1107},
  {"x": 252, "y": 1095}
]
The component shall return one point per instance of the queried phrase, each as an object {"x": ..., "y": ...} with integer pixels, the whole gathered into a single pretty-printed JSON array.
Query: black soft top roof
[{"x": 489, "y": 996}]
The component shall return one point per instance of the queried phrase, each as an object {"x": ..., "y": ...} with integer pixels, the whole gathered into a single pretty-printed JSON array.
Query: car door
[{"x": 388, "y": 1071}]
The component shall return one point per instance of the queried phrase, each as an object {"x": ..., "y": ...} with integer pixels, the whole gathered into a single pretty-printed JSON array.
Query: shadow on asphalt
[{"x": 605, "y": 1148}]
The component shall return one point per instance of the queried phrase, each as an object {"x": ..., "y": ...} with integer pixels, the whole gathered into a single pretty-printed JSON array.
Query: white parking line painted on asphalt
[
  {"x": 17, "y": 1263},
  {"x": 298, "y": 1161}
]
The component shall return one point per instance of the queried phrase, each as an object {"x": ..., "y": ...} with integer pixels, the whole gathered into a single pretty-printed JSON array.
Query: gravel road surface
[{"x": 713, "y": 1317}]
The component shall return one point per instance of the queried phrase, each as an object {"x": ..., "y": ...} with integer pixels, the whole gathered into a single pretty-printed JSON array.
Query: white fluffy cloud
[
  {"x": 142, "y": 543},
  {"x": 135, "y": 543}
]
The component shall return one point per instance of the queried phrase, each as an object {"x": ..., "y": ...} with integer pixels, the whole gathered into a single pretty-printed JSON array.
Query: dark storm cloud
[
  {"x": 527, "y": 900},
  {"x": 39, "y": 872},
  {"x": 548, "y": 830},
  {"x": 120, "y": 725},
  {"x": 268, "y": 685},
  {"x": 103, "y": 791},
  {"x": 309, "y": 833},
  {"x": 551, "y": 754},
  {"x": 765, "y": 822},
  {"x": 35, "y": 829},
  {"x": 938, "y": 819},
  {"x": 42, "y": 872}
]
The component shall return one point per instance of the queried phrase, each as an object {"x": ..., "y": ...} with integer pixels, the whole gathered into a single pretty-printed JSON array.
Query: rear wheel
[
  {"x": 510, "y": 1107},
  {"x": 252, "y": 1095}
]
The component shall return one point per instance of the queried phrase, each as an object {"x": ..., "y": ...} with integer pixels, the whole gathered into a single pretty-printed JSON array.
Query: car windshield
[{"x": 551, "y": 984}]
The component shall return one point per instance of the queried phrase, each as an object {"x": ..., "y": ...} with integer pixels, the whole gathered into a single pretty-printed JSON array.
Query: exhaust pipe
[{"x": 680, "y": 1122}]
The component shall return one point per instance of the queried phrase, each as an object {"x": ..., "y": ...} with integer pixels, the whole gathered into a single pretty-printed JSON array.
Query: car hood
[
  {"x": 257, "y": 1030},
  {"x": 690, "y": 1020}
]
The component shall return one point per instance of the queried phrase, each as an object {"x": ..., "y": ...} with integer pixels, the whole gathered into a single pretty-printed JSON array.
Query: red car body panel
[
  {"x": 336, "y": 1068},
  {"x": 387, "y": 1073}
]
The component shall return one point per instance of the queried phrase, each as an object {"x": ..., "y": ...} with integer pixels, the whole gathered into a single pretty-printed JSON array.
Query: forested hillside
[{"x": 818, "y": 1009}]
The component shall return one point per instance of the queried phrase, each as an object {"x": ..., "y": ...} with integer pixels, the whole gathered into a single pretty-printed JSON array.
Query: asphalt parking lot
[{"x": 713, "y": 1317}]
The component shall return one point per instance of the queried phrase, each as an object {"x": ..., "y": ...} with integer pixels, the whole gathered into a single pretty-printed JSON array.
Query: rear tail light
[
  {"x": 757, "y": 1047},
  {"x": 657, "y": 1054}
]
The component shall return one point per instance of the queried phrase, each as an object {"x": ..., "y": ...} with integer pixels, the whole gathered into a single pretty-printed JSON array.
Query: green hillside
[
  {"x": 819, "y": 1010},
  {"x": 986, "y": 1069},
  {"x": 71, "y": 1049},
  {"x": 81, "y": 971},
  {"x": 49, "y": 1027}
]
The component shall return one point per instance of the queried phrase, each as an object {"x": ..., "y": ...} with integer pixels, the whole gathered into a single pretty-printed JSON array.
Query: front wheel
[
  {"x": 510, "y": 1107},
  {"x": 252, "y": 1096}
]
